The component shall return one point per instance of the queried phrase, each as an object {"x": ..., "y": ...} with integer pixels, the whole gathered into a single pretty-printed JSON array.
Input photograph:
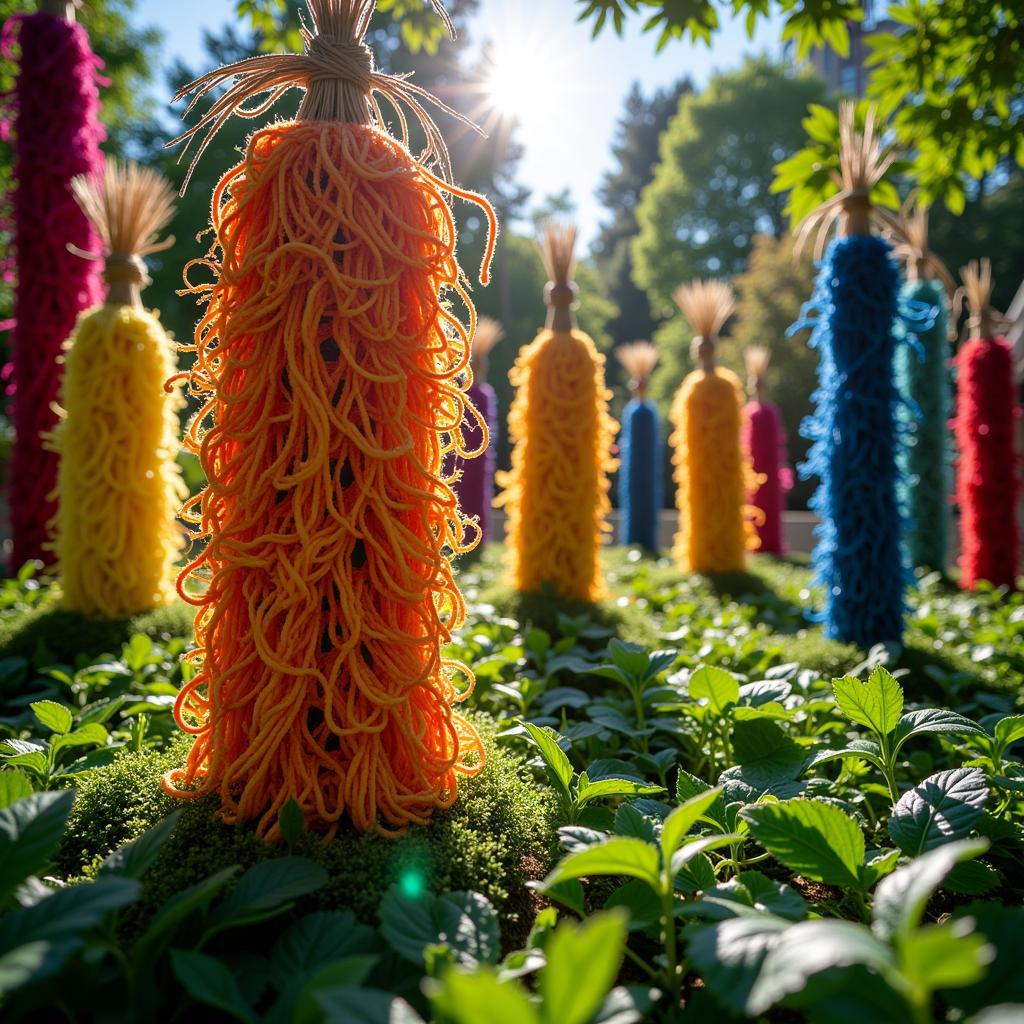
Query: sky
[{"x": 565, "y": 89}]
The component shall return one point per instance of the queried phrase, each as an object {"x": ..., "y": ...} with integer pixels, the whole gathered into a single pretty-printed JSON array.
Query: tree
[
  {"x": 951, "y": 73},
  {"x": 710, "y": 192},
  {"x": 635, "y": 151}
]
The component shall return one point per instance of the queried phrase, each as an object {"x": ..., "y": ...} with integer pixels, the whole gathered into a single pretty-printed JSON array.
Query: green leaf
[
  {"x": 876, "y": 703},
  {"x": 465, "y": 921},
  {"x": 315, "y": 941},
  {"x": 620, "y": 855},
  {"x": 1009, "y": 730},
  {"x": 973, "y": 878},
  {"x": 65, "y": 912},
  {"x": 30, "y": 830},
  {"x": 813, "y": 838},
  {"x": 292, "y": 822},
  {"x": 209, "y": 982},
  {"x": 583, "y": 962},
  {"x": 806, "y": 949},
  {"x": 14, "y": 785},
  {"x": 364, "y": 1006},
  {"x": 589, "y": 791},
  {"x": 30, "y": 961},
  {"x": 683, "y": 818},
  {"x": 933, "y": 720},
  {"x": 136, "y": 858},
  {"x": 266, "y": 890},
  {"x": 555, "y": 761},
  {"x": 53, "y": 716},
  {"x": 944, "y": 807},
  {"x": 718, "y": 687},
  {"x": 901, "y": 897},
  {"x": 474, "y": 998},
  {"x": 945, "y": 956},
  {"x": 92, "y": 734}
]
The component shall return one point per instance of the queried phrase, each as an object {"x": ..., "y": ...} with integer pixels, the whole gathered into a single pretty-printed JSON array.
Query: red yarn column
[{"x": 56, "y": 135}]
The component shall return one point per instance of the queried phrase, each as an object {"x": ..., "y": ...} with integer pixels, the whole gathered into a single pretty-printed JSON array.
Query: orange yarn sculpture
[
  {"x": 556, "y": 493},
  {"x": 712, "y": 476},
  {"x": 331, "y": 368}
]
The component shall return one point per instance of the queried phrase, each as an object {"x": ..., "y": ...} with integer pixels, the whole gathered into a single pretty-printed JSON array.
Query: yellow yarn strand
[
  {"x": 118, "y": 485},
  {"x": 556, "y": 493},
  {"x": 712, "y": 477}
]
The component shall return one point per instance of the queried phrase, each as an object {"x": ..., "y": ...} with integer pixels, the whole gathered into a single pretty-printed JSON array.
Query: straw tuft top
[
  {"x": 910, "y": 243},
  {"x": 638, "y": 359},
  {"x": 337, "y": 72},
  {"x": 488, "y": 333},
  {"x": 756, "y": 358},
  {"x": 706, "y": 305},
  {"x": 984, "y": 321},
  {"x": 863, "y": 162},
  {"x": 128, "y": 206},
  {"x": 557, "y": 250}
]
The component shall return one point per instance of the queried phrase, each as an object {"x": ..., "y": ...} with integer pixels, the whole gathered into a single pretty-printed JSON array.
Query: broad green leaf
[
  {"x": 640, "y": 900},
  {"x": 209, "y": 982},
  {"x": 14, "y": 785},
  {"x": 28, "y": 961},
  {"x": 933, "y": 720},
  {"x": 943, "y": 807},
  {"x": 901, "y": 897},
  {"x": 589, "y": 791},
  {"x": 866, "y": 750},
  {"x": 806, "y": 949},
  {"x": 583, "y": 962},
  {"x": 136, "y": 858},
  {"x": 292, "y": 822},
  {"x": 53, "y": 716},
  {"x": 813, "y": 838},
  {"x": 876, "y": 703},
  {"x": 363, "y": 1006},
  {"x": 716, "y": 685},
  {"x": 343, "y": 973},
  {"x": 555, "y": 761},
  {"x": 480, "y": 997},
  {"x": 92, "y": 734},
  {"x": 1009, "y": 730},
  {"x": 683, "y": 818},
  {"x": 729, "y": 955},
  {"x": 266, "y": 890},
  {"x": 620, "y": 855},
  {"x": 315, "y": 941},
  {"x": 945, "y": 956},
  {"x": 973, "y": 878},
  {"x": 30, "y": 830},
  {"x": 465, "y": 921},
  {"x": 695, "y": 846}
]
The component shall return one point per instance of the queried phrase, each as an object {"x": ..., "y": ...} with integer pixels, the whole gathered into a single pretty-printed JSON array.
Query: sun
[{"x": 525, "y": 75}]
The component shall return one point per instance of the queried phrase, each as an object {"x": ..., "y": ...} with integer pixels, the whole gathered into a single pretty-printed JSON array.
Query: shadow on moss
[
  {"x": 498, "y": 834},
  {"x": 59, "y": 635}
]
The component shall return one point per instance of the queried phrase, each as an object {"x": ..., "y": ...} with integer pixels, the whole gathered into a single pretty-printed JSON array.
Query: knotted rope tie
[{"x": 332, "y": 59}]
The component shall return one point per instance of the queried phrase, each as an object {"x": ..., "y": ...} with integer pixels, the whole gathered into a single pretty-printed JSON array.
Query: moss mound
[
  {"x": 68, "y": 637},
  {"x": 497, "y": 835}
]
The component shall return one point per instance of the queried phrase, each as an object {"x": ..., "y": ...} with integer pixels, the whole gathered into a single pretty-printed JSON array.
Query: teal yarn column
[
  {"x": 925, "y": 458},
  {"x": 640, "y": 466}
]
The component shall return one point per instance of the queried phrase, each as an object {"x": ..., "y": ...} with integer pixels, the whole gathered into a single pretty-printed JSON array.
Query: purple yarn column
[
  {"x": 56, "y": 135},
  {"x": 765, "y": 442},
  {"x": 476, "y": 487}
]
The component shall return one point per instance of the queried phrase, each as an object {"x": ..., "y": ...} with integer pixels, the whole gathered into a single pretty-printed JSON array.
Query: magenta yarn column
[
  {"x": 476, "y": 487},
  {"x": 56, "y": 135},
  {"x": 764, "y": 438}
]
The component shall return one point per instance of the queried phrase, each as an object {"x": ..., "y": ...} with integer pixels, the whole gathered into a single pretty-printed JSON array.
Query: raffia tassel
[
  {"x": 863, "y": 162},
  {"x": 707, "y": 305},
  {"x": 638, "y": 359}
]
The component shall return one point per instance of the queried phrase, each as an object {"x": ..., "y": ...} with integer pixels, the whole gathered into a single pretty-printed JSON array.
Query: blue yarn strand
[
  {"x": 858, "y": 559},
  {"x": 640, "y": 474}
]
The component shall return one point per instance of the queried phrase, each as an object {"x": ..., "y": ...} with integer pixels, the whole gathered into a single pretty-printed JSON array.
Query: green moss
[
  {"x": 67, "y": 636},
  {"x": 496, "y": 836}
]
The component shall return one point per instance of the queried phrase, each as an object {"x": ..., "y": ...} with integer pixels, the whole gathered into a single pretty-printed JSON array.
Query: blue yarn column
[
  {"x": 640, "y": 474},
  {"x": 923, "y": 376},
  {"x": 858, "y": 558}
]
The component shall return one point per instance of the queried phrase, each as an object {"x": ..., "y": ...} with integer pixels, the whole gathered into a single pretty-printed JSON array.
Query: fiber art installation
[
  {"x": 764, "y": 442},
  {"x": 118, "y": 484},
  {"x": 556, "y": 493},
  {"x": 56, "y": 135},
  {"x": 923, "y": 377},
  {"x": 711, "y": 474},
  {"x": 640, "y": 450},
  {"x": 331, "y": 365},
  {"x": 475, "y": 485},
  {"x": 853, "y": 315},
  {"x": 988, "y": 469}
]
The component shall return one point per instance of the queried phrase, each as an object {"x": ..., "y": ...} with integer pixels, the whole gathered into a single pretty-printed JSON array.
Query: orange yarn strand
[{"x": 333, "y": 373}]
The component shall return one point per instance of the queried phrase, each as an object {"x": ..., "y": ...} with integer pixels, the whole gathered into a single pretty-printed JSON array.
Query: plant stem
[{"x": 671, "y": 953}]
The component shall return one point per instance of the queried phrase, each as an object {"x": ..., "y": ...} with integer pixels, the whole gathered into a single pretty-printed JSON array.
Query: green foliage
[
  {"x": 710, "y": 194},
  {"x": 487, "y": 842}
]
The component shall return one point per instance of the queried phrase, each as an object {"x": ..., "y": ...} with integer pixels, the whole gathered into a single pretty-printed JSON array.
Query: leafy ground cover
[{"x": 694, "y": 804}]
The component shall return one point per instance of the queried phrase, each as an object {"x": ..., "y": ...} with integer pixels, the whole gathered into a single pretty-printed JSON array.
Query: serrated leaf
[
  {"x": 30, "y": 830},
  {"x": 209, "y": 982},
  {"x": 464, "y": 921},
  {"x": 944, "y": 807},
  {"x": 556, "y": 763},
  {"x": 53, "y": 716},
  {"x": 620, "y": 855},
  {"x": 876, "y": 703},
  {"x": 718, "y": 687},
  {"x": 683, "y": 818}
]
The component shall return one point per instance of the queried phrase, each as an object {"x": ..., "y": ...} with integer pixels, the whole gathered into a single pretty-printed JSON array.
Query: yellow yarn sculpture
[
  {"x": 556, "y": 493},
  {"x": 118, "y": 484},
  {"x": 711, "y": 474}
]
